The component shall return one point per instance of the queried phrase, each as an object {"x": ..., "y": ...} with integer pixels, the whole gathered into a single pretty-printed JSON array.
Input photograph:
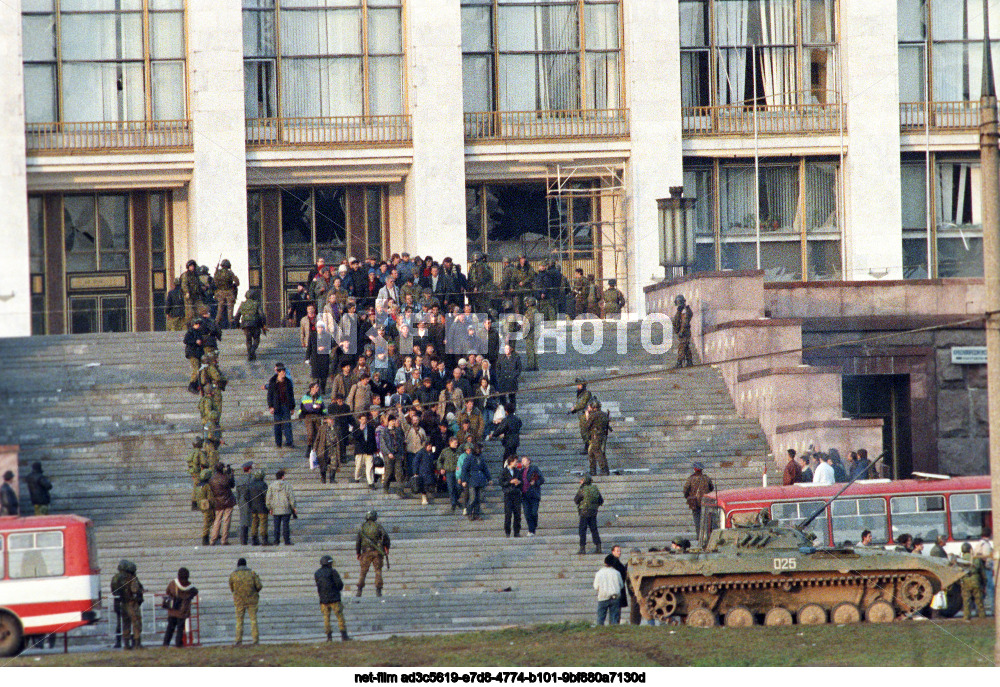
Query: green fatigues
[
  {"x": 129, "y": 591},
  {"x": 593, "y": 298},
  {"x": 245, "y": 586},
  {"x": 682, "y": 330},
  {"x": 338, "y": 609},
  {"x": 191, "y": 288},
  {"x": 579, "y": 408},
  {"x": 372, "y": 543},
  {"x": 258, "y": 525},
  {"x": 598, "y": 427},
  {"x": 614, "y": 301},
  {"x": 972, "y": 587},
  {"x": 41, "y": 510},
  {"x": 480, "y": 280},
  {"x": 227, "y": 285},
  {"x": 524, "y": 284},
  {"x": 209, "y": 378},
  {"x": 197, "y": 461},
  {"x": 252, "y": 321},
  {"x": 530, "y": 339}
]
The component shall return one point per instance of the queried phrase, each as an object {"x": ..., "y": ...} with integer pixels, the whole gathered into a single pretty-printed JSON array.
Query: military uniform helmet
[
  {"x": 371, "y": 515},
  {"x": 326, "y": 560},
  {"x": 679, "y": 301},
  {"x": 226, "y": 264},
  {"x": 190, "y": 263},
  {"x": 612, "y": 283},
  {"x": 203, "y": 269},
  {"x": 581, "y": 380},
  {"x": 595, "y": 404},
  {"x": 966, "y": 547}
]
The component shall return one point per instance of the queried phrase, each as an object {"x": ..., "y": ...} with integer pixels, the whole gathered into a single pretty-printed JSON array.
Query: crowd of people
[{"x": 819, "y": 467}]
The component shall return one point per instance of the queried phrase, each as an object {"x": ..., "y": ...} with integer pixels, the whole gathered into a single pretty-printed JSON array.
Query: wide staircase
[{"x": 111, "y": 419}]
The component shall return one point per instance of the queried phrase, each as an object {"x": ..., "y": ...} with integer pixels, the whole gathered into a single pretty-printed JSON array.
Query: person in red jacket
[{"x": 793, "y": 473}]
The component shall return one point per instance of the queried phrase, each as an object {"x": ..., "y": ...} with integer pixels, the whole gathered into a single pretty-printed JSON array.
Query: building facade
[{"x": 822, "y": 139}]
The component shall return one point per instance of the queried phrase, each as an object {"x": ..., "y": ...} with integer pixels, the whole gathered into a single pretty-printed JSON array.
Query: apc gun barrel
[{"x": 805, "y": 523}]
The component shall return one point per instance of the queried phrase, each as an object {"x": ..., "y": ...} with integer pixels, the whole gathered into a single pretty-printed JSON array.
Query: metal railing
[
  {"x": 543, "y": 124},
  {"x": 729, "y": 120},
  {"x": 939, "y": 116},
  {"x": 108, "y": 136},
  {"x": 328, "y": 131}
]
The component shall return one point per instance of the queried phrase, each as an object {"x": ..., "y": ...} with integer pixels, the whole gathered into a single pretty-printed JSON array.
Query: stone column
[
  {"x": 435, "y": 186},
  {"x": 652, "y": 54},
  {"x": 873, "y": 234},
  {"x": 15, "y": 275},
  {"x": 217, "y": 202}
]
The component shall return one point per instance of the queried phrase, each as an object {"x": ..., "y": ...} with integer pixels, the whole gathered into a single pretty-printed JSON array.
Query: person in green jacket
[
  {"x": 447, "y": 463},
  {"x": 972, "y": 584},
  {"x": 252, "y": 321},
  {"x": 245, "y": 585},
  {"x": 588, "y": 499},
  {"x": 583, "y": 397}
]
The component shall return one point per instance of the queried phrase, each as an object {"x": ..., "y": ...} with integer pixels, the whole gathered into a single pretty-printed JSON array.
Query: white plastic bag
[
  {"x": 313, "y": 461},
  {"x": 940, "y": 601}
]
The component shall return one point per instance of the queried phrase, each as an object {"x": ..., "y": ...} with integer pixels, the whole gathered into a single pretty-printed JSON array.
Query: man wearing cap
[
  {"x": 583, "y": 398},
  {"x": 588, "y": 500},
  {"x": 245, "y": 585},
  {"x": 227, "y": 286},
  {"x": 242, "y": 489},
  {"x": 612, "y": 301},
  {"x": 329, "y": 585},
  {"x": 372, "y": 548},
  {"x": 697, "y": 485},
  {"x": 598, "y": 425},
  {"x": 682, "y": 331}
]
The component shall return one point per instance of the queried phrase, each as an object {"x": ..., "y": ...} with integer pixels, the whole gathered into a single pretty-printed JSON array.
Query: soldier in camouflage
[
  {"x": 252, "y": 321},
  {"x": 196, "y": 462},
  {"x": 174, "y": 307},
  {"x": 227, "y": 286},
  {"x": 598, "y": 425},
  {"x": 480, "y": 281},
  {"x": 245, "y": 585},
  {"x": 579, "y": 292},
  {"x": 127, "y": 592},
  {"x": 682, "y": 331},
  {"x": 972, "y": 584},
  {"x": 583, "y": 398},
  {"x": 593, "y": 296},
  {"x": 372, "y": 547},
  {"x": 211, "y": 383},
  {"x": 191, "y": 289},
  {"x": 612, "y": 301},
  {"x": 588, "y": 500},
  {"x": 203, "y": 497},
  {"x": 530, "y": 330}
]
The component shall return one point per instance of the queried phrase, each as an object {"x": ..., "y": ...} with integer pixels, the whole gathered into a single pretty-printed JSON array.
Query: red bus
[
  {"x": 49, "y": 578},
  {"x": 957, "y": 508}
]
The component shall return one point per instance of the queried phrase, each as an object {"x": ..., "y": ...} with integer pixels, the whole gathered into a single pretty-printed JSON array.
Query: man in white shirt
[
  {"x": 608, "y": 583},
  {"x": 984, "y": 549},
  {"x": 823, "y": 474}
]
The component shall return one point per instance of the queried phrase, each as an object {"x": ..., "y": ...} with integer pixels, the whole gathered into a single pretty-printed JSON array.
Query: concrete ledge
[
  {"x": 799, "y": 370},
  {"x": 829, "y": 424}
]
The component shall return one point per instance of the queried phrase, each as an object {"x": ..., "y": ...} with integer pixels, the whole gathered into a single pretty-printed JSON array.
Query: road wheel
[
  {"x": 11, "y": 635},
  {"x": 812, "y": 614},
  {"x": 845, "y": 612},
  {"x": 778, "y": 616},
  {"x": 915, "y": 592},
  {"x": 702, "y": 617},
  {"x": 661, "y": 604},
  {"x": 880, "y": 611},
  {"x": 739, "y": 617}
]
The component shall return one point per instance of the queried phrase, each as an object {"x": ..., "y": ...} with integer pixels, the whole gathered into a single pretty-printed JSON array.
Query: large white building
[{"x": 823, "y": 140}]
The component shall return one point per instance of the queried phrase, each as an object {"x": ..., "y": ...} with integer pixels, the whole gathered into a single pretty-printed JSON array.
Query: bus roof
[
  {"x": 35, "y": 522},
  {"x": 798, "y": 492}
]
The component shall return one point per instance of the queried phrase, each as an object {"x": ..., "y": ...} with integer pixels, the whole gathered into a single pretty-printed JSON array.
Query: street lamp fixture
[{"x": 676, "y": 219}]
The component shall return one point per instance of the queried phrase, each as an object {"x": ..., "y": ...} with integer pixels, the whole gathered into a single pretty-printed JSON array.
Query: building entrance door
[{"x": 884, "y": 397}]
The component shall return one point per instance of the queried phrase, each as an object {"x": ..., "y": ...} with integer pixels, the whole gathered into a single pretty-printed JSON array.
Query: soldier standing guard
[
  {"x": 191, "y": 289},
  {"x": 580, "y": 288},
  {"x": 697, "y": 485},
  {"x": 583, "y": 398},
  {"x": 242, "y": 489},
  {"x": 530, "y": 330},
  {"x": 127, "y": 592},
  {"x": 252, "y": 320},
  {"x": 612, "y": 301},
  {"x": 480, "y": 280},
  {"x": 245, "y": 585},
  {"x": 203, "y": 498},
  {"x": 196, "y": 462},
  {"x": 972, "y": 584},
  {"x": 598, "y": 425},
  {"x": 593, "y": 296},
  {"x": 372, "y": 547},
  {"x": 211, "y": 383},
  {"x": 329, "y": 585},
  {"x": 682, "y": 331},
  {"x": 227, "y": 286}
]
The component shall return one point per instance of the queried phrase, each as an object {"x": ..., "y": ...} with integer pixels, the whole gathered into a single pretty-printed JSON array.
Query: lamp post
[{"x": 676, "y": 220}]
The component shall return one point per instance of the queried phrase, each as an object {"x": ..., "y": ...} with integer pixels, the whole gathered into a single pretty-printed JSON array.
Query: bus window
[
  {"x": 853, "y": 516},
  {"x": 36, "y": 554},
  {"x": 918, "y": 516},
  {"x": 969, "y": 515},
  {"x": 792, "y": 513},
  {"x": 744, "y": 517}
]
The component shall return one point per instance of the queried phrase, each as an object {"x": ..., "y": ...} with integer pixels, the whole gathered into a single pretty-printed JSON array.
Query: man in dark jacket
[
  {"x": 475, "y": 476},
  {"x": 424, "y": 465},
  {"x": 8, "y": 496},
  {"x": 329, "y": 585},
  {"x": 508, "y": 370},
  {"x": 174, "y": 307},
  {"x": 281, "y": 403},
  {"x": 223, "y": 500},
  {"x": 194, "y": 348},
  {"x": 393, "y": 455},
  {"x": 697, "y": 485},
  {"x": 365, "y": 448},
  {"x": 510, "y": 483},
  {"x": 588, "y": 500},
  {"x": 243, "y": 500},
  {"x": 39, "y": 487},
  {"x": 510, "y": 429},
  {"x": 257, "y": 495},
  {"x": 531, "y": 483},
  {"x": 793, "y": 472}
]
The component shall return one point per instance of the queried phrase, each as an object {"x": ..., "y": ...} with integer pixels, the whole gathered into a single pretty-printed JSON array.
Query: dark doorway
[{"x": 884, "y": 397}]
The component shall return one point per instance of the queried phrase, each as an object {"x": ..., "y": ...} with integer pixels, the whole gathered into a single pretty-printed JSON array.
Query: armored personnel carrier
[{"x": 774, "y": 574}]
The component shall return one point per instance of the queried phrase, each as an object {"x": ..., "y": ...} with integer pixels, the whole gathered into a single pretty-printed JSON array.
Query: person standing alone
[
  {"x": 609, "y": 584},
  {"x": 697, "y": 485},
  {"x": 245, "y": 585},
  {"x": 588, "y": 500},
  {"x": 39, "y": 487},
  {"x": 328, "y": 586}
]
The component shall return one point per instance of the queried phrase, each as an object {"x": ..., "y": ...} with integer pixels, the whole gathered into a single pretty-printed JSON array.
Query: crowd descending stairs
[{"x": 110, "y": 418}]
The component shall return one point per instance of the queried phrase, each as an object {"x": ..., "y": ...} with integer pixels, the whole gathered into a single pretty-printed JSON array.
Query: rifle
[{"x": 382, "y": 551}]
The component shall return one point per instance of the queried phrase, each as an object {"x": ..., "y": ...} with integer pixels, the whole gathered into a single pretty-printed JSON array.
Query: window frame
[
  {"x": 34, "y": 534},
  {"x": 918, "y": 499}
]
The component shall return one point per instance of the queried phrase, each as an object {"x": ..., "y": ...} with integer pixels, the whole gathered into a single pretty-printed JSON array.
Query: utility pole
[{"x": 989, "y": 161}]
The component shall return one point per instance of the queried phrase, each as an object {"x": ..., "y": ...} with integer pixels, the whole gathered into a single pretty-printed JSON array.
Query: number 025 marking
[{"x": 784, "y": 564}]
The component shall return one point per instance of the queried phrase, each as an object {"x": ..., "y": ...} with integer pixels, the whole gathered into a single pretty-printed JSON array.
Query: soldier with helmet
[
  {"x": 227, "y": 286},
  {"x": 480, "y": 281},
  {"x": 682, "y": 331},
  {"x": 372, "y": 547},
  {"x": 203, "y": 497},
  {"x": 197, "y": 461},
  {"x": 329, "y": 585},
  {"x": 191, "y": 289},
  {"x": 579, "y": 292},
  {"x": 127, "y": 591},
  {"x": 972, "y": 584},
  {"x": 583, "y": 399},
  {"x": 173, "y": 308},
  {"x": 211, "y": 384},
  {"x": 530, "y": 333},
  {"x": 612, "y": 301},
  {"x": 593, "y": 296},
  {"x": 251, "y": 319},
  {"x": 524, "y": 277},
  {"x": 598, "y": 426}
]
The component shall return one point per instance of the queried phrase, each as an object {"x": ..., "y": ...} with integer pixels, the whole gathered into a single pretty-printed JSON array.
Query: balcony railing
[
  {"x": 939, "y": 116},
  {"x": 328, "y": 131},
  {"x": 544, "y": 124},
  {"x": 108, "y": 136},
  {"x": 765, "y": 120}
]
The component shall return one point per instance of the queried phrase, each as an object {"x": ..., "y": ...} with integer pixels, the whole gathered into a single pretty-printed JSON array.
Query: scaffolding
[{"x": 598, "y": 238}]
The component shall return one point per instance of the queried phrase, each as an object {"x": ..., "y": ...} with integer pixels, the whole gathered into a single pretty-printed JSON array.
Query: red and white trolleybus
[{"x": 49, "y": 578}]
